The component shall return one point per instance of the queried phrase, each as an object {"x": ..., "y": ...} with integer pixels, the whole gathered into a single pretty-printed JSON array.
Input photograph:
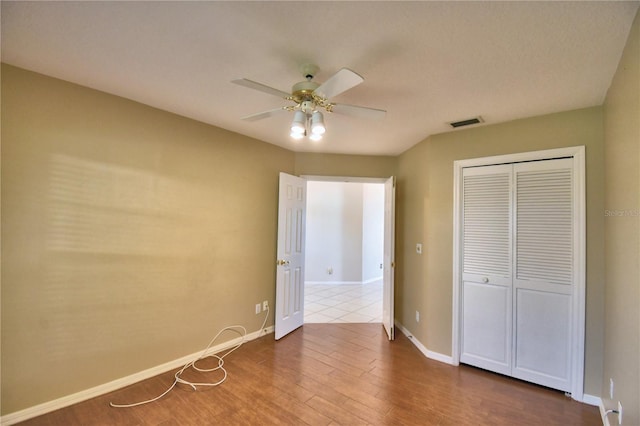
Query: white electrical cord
[{"x": 177, "y": 379}]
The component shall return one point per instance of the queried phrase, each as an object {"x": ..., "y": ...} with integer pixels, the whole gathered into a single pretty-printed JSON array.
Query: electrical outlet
[
  {"x": 417, "y": 316},
  {"x": 619, "y": 412},
  {"x": 257, "y": 308},
  {"x": 265, "y": 305}
]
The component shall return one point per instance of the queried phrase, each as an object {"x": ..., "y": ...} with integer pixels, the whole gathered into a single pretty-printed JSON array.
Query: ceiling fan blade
[
  {"x": 261, "y": 87},
  {"x": 358, "y": 111},
  {"x": 340, "y": 82},
  {"x": 264, "y": 114}
]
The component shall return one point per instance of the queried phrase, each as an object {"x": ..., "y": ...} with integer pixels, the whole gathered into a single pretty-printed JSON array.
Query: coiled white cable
[{"x": 177, "y": 377}]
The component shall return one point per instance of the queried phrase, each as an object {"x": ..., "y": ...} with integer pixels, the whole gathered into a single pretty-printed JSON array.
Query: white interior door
[
  {"x": 543, "y": 283},
  {"x": 389, "y": 253},
  {"x": 289, "y": 312},
  {"x": 486, "y": 328}
]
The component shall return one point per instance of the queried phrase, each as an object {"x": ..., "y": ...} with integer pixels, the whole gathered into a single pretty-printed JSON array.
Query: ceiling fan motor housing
[{"x": 303, "y": 90}]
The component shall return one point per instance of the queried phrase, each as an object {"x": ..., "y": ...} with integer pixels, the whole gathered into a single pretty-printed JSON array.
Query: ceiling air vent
[{"x": 467, "y": 122}]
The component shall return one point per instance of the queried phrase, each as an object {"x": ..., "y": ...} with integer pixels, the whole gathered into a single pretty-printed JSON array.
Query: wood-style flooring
[{"x": 330, "y": 374}]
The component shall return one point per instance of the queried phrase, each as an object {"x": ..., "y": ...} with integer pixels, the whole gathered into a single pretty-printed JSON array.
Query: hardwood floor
[{"x": 329, "y": 374}]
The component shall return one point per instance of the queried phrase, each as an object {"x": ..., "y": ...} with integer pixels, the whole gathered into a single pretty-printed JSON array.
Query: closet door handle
[{"x": 485, "y": 280}]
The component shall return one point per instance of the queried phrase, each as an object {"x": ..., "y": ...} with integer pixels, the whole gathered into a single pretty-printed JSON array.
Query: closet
[{"x": 518, "y": 269}]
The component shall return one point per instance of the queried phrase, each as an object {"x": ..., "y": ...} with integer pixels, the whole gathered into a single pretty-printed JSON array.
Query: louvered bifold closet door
[
  {"x": 487, "y": 268},
  {"x": 543, "y": 272}
]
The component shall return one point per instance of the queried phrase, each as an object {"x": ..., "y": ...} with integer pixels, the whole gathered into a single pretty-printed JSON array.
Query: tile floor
[{"x": 325, "y": 303}]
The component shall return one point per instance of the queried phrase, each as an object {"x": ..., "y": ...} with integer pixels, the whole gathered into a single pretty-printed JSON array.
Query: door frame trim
[
  {"x": 391, "y": 266},
  {"x": 355, "y": 179},
  {"x": 579, "y": 301}
]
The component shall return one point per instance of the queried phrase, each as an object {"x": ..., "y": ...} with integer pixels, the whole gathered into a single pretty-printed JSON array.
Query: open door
[
  {"x": 389, "y": 256},
  {"x": 292, "y": 201}
]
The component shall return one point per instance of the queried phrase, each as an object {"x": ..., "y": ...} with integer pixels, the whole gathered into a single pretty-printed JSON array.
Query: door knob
[
  {"x": 282, "y": 262},
  {"x": 485, "y": 280}
]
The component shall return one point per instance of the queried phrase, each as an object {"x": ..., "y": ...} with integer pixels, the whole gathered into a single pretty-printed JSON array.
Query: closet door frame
[{"x": 577, "y": 153}]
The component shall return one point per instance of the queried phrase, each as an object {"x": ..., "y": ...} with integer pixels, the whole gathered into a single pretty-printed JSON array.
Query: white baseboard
[
  {"x": 426, "y": 352},
  {"x": 596, "y": 401},
  {"x": 65, "y": 401}
]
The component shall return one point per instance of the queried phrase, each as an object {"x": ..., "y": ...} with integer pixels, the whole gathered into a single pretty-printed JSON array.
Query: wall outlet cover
[{"x": 619, "y": 412}]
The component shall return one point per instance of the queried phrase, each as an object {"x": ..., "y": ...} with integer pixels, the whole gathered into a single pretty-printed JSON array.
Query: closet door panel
[
  {"x": 486, "y": 227},
  {"x": 544, "y": 222},
  {"x": 487, "y": 268},
  {"x": 542, "y": 330},
  {"x": 543, "y": 272},
  {"x": 486, "y": 341}
]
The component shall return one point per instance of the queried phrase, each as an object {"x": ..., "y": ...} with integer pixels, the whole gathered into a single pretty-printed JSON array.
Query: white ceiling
[{"x": 426, "y": 63}]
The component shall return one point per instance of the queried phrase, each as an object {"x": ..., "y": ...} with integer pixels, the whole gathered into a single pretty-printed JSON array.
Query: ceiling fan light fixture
[
  {"x": 298, "y": 126},
  {"x": 309, "y": 98},
  {"x": 315, "y": 136},
  {"x": 317, "y": 123},
  {"x": 296, "y": 136}
]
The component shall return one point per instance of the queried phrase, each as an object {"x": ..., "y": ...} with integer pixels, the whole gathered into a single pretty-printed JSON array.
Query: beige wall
[
  {"x": 344, "y": 165},
  {"x": 425, "y": 215},
  {"x": 622, "y": 230},
  {"x": 130, "y": 236}
]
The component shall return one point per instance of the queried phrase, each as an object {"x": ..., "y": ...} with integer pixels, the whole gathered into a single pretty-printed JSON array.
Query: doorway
[{"x": 344, "y": 252}]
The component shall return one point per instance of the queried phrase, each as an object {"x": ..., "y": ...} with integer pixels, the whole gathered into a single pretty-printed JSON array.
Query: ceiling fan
[{"x": 310, "y": 98}]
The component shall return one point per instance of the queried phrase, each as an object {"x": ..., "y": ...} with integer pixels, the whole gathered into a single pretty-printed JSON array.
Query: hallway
[{"x": 343, "y": 303}]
